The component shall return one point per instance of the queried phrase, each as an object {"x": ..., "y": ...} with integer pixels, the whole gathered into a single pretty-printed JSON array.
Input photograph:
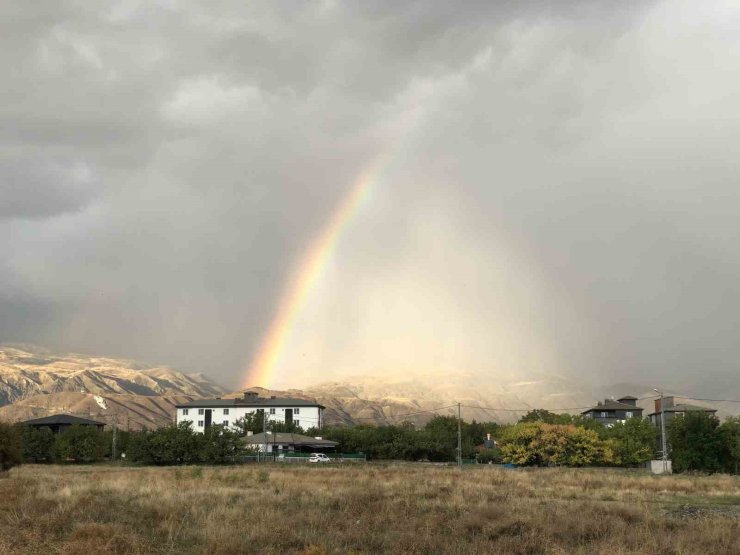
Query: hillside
[
  {"x": 26, "y": 373},
  {"x": 35, "y": 383}
]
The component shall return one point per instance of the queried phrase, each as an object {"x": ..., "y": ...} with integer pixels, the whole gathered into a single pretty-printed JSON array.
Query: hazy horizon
[{"x": 553, "y": 190}]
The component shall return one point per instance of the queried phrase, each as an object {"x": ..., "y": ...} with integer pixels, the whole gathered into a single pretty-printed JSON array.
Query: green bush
[
  {"x": 633, "y": 441},
  {"x": 541, "y": 444},
  {"x": 730, "y": 433},
  {"x": 11, "y": 451},
  {"x": 695, "y": 442},
  {"x": 82, "y": 444},
  {"x": 38, "y": 445}
]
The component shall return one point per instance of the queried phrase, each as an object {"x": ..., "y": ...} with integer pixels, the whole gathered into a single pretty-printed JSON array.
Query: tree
[
  {"x": 220, "y": 445},
  {"x": 695, "y": 442},
  {"x": 82, "y": 444},
  {"x": 541, "y": 444},
  {"x": 176, "y": 444},
  {"x": 10, "y": 446},
  {"x": 38, "y": 444},
  {"x": 539, "y": 415},
  {"x": 633, "y": 441},
  {"x": 730, "y": 433},
  {"x": 251, "y": 422}
]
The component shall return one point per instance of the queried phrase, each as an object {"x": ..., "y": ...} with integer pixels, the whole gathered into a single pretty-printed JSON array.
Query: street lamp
[{"x": 662, "y": 430}]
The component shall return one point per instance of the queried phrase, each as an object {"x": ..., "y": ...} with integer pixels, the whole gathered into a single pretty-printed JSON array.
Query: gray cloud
[{"x": 560, "y": 194}]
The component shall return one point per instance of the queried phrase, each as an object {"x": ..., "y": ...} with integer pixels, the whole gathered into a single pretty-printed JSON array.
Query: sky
[{"x": 554, "y": 189}]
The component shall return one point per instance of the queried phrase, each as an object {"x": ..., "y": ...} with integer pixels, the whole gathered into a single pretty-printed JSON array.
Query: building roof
[
  {"x": 628, "y": 398},
  {"x": 257, "y": 402},
  {"x": 57, "y": 419},
  {"x": 613, "y": 405},
  {"x": 285, "y": 438},
  {"x": 685, "y": 407}
]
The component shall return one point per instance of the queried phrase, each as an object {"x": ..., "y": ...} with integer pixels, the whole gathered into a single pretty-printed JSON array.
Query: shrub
[
  {"x": 633, "y": 441},
  {"x": 695, "y": 442},
  {"x": 730, "y": 434},
  {"x": 169, "y": 445},
  {"x": 82, "y": 444},
  {"x": 10, "y": 446},
  {"x": 38, "y": 445},
  {"x": 540, "y": 444}
]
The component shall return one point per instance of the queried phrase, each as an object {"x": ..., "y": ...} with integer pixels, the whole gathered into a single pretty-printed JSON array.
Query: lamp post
[{"x": 662, "y": 430}]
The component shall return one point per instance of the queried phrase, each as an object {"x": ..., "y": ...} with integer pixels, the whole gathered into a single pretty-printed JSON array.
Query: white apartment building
[{"x": 207, "y": 412}]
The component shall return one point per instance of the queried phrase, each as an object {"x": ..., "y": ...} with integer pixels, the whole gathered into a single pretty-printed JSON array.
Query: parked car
[{"x": 318, "y": 458}]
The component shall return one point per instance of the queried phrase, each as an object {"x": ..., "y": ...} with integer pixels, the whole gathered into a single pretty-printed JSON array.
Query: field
[{"x": 373, "y": 508}]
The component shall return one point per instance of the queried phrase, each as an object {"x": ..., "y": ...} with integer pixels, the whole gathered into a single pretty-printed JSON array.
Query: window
[
  {"x": 200, "y": 411},
  {"x": 296, "y": 411},
  {"x": 226, "y": 411},
  {"x": 297, "y": 422},
  {"x": 604, "y": 414},
  {"x": 226, "y": 423},
  {"x": 200, "y": 423},
  {"x": 628, "y": 414},
  {"x": 272, "y": 411},
  {"x": 184, "y": 412}
]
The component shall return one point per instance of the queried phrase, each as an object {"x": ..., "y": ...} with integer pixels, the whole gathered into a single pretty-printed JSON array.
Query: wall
[{"x": 308, "y": 417}]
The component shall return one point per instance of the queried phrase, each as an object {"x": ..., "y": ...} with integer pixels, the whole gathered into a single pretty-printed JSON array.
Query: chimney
[
  {"x": 251, "y": 395},
  {"x": 657, "y": 405},
  {"x": 488, "y": 437}
]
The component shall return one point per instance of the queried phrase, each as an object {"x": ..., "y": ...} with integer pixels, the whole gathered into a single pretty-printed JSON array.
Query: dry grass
[{"x": 401, "y": 508}]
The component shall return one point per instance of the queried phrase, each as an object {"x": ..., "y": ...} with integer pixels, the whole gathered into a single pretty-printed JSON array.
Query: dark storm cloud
[{"x": 165, "y": 165}]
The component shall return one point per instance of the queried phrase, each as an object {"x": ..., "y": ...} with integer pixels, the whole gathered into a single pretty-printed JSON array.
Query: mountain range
[{"x": 36, "y": 383}]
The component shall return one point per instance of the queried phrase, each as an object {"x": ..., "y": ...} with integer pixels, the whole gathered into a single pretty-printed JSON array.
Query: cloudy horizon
[{"x": 558, "y": 193}]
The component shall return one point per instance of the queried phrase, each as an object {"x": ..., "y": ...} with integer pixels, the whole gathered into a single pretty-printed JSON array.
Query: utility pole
[
  {"x": 459, "y": 438},
  {"x": 113, "y": 447},
  {"x": 662, "y": 431},
  {"x": 264, "y": 430}
]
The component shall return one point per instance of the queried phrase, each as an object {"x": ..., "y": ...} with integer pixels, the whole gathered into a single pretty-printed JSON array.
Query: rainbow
[{"x": 262, "y": 368}]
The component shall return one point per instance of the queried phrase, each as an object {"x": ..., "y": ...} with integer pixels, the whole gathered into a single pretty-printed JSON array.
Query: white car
[{"x": 318, "y": 458}]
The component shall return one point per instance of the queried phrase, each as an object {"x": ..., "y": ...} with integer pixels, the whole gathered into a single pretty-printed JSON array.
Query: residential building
[
  {"x": 59, "y": 423},
  {"x": 280, "y": 442},
  {"x": 610, "y": 411},
  {"x": 672, "y": 409},
  {"x": 203, "y": 413}
]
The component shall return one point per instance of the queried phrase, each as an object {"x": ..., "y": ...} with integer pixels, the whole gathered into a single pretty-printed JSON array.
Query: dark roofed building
[
  {"x": 672, "y": 409},
  {"x": 59, "y": 423},
  {"x": 610, "y": 411}
]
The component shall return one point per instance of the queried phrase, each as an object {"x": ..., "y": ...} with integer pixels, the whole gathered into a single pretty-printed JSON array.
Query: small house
[{"x": 610, "y": 411}]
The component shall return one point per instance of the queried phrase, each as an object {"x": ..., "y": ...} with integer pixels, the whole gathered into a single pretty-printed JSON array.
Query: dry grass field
[{"x": 374, "y": 508}]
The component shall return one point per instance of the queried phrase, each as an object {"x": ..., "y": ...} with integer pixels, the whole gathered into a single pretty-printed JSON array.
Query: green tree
[
  {"x": 541, "y": 444},
  {"x": 11, "y": 450},
  {"x": 176, "y": 444},
  {"x": 38, "y": 444},
  {"x": 81, "y": 444},
  {"x": 539, "y": 415},
  {"x": 633, "y": 441},
  {"x": 730, "y": 433},
  {"x": 251, "y": 422},
  {"x": 220, "y": 445},
  {"x": 695, "y": 442}
]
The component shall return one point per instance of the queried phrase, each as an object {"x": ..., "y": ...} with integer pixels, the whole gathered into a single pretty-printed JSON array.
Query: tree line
[{"x": 698, "y": 442}]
